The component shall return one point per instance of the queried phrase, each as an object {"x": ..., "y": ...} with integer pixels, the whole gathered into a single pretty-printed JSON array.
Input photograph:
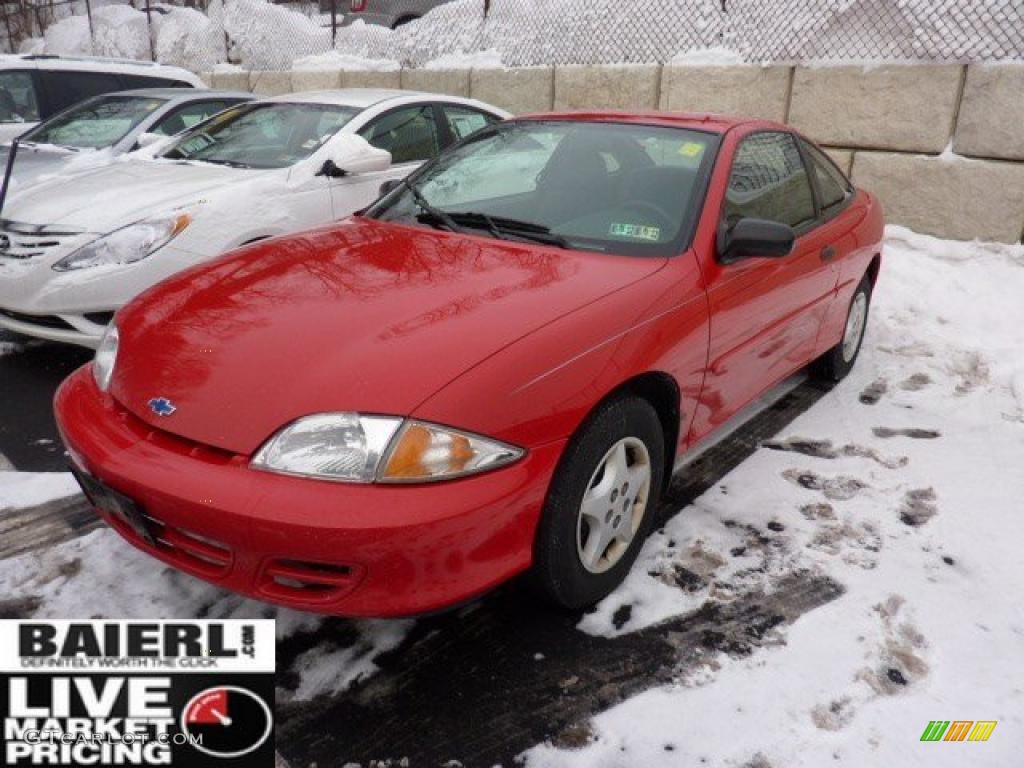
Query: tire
[
  {"x": 838, "y": 361},
  {"x": 592, "y": 466}
]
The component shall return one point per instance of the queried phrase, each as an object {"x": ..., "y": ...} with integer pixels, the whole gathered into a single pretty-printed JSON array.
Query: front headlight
[
  {"x": 350, "y": 447},
  {"x": 128, "y": 244},
  {"x": 106, "y": 358}
]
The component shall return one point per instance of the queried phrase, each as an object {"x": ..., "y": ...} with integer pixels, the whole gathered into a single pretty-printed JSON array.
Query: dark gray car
[
  {"x": 96, "y": 131},
  {"x": 389, "y": 13}
]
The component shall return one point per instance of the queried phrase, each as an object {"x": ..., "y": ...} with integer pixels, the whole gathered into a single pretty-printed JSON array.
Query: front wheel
[
  {"x": 601, "y": 504},
  {"x": 838, "y": 361}
]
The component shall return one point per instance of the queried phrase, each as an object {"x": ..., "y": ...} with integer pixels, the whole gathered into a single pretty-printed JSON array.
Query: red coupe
[{"x": 494, "y": 369}]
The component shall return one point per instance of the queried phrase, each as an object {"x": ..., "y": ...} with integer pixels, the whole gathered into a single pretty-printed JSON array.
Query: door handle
[{"x": 828, "y": 253}]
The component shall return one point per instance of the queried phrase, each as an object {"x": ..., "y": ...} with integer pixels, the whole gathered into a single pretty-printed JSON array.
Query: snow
[
  {"x": 489, "y": 59},
  {"x": 264, "y": 35},
  {"x": 902, "y": 484},
  {"x": 335, "y": 60},
  {"x": 19, "y": 490},
  {"x": 717, "y": 56},
  {"x": 936, "y": 601}
]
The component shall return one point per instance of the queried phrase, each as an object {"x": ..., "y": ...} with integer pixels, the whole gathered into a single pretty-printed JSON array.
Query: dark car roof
[
  {"x": 702, "y": 121},
  {"x": 180, "y": 93}
]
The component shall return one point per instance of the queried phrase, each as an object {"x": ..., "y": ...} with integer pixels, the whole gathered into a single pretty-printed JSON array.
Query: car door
[
  {"x": 412, "y": 135},
  {"x": 765, "y": 312}
]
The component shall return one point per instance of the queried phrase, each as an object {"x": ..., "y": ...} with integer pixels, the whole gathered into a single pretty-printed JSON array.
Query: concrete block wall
[{"x": 942, "y": 145}]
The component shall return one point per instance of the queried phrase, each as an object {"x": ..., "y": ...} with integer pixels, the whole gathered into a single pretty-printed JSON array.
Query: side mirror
[
  {"x": 390, "y": 186},
  {"x": 354, "y": 157},
  {"x": 755, "y": 238},
  {"x": 148, "y": 140}
]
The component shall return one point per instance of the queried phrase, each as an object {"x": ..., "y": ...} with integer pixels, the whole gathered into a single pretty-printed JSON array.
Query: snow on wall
[{"x": 262, "y": 35}]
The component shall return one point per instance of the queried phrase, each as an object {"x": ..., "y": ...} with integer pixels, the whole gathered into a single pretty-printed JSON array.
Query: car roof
[
  {"x": 97, "y": 64},
  {"x": 347, "y": 97},
  {"x": 701, "y": 121},
  {"x": 182, "y": 94}
]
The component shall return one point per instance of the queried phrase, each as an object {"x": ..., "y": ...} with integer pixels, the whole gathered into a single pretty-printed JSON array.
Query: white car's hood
[{"x": 119, "y": 194}]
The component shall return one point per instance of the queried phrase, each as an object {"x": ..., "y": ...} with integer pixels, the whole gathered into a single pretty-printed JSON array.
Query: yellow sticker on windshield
[
  {"x": 635, "y": 231},
  {"x": 691, "y": 149}
]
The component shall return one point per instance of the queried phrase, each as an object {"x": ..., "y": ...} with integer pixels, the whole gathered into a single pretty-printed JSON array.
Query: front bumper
[
  {"x": 56, "y": 305},
  {"x": 356, "y": 550}
]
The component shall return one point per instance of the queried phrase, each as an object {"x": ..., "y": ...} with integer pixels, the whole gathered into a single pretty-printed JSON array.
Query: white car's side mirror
[
  {"x": 352, "y": 155},
  {"x": 149, "y": 139}
]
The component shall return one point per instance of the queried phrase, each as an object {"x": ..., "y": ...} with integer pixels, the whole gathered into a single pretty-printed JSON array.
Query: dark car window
[
  {"x": 617, "y": 188},
  {"x": 189, "y": 116},
  {"x": 99, "y": 122},
  {"x": 769, "y": 181},
  {"x": 409, "y": 134},
  {"x": 832, "y": 185},
  {"x": 68, "y": 88},
  {"x": 464, "y": 121},
  {"x": 130, "y": 82},
  {"x": 18, "y": 101}
]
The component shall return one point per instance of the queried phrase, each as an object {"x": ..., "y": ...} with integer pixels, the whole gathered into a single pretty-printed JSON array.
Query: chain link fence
[{"x": 259, "y": 35}]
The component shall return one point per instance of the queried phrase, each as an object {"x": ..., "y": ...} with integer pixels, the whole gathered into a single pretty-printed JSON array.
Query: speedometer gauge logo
[{"x": 227, "y": 721}]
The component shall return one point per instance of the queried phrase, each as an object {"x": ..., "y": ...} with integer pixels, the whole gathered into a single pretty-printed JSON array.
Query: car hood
[
  {"x": 117, "y": 195},
  {"x": 364, "y": 316}
]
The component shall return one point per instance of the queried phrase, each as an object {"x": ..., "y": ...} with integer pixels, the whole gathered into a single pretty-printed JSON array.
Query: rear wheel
[
  {"x": 601, "y": 504},
  {"x": 838, "y": 361}
]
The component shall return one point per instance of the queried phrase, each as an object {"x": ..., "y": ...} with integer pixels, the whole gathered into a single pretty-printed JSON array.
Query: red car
[{"x": 495, "y": 368}]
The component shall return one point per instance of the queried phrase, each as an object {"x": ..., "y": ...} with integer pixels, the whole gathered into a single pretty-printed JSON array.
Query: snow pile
[
  {"x": 263, "y": 35},
  {"x": 181, "y": 37},
  {"x": 903, "y": 485},
  {"x": 333, "y": 61},
  {"x": 489, "y": 59}
]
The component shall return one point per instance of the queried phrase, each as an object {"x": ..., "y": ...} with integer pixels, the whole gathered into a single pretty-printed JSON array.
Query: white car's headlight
[
  {"x": 106, "y": 358},
  {"x": 128, "y": 244},
  {"x": 351, "y": 447}
]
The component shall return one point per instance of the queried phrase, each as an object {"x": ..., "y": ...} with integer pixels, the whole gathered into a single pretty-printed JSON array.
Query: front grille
[
  {"x": 44, "y": 321},
  {"x": 22, "y": 242}
]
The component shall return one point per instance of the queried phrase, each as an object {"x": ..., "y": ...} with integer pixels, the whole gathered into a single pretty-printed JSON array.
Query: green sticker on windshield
[
  {"x": 635, "y": 231},
  {"x": 691, "y": 149}
]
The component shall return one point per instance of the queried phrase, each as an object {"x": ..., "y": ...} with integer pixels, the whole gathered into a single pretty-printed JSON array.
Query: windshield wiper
[
  {"x": 430, "y": 213},
  {"x": 503, "y": 228},
  {"x": 228, "y": 163}
]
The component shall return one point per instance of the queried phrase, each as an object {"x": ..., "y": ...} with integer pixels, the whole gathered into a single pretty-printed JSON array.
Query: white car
[
  {"x": 35, "y": 88},
  {"x": 73, "y": 250}
]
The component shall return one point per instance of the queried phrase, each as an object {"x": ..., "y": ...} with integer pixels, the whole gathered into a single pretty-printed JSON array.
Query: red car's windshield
[{"x": 612, "y": 187}]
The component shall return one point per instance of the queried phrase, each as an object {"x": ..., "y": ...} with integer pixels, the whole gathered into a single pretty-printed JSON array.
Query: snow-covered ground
[{"x": 903, "y": 485}]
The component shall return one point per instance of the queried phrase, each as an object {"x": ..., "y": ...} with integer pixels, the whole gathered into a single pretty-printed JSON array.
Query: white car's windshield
[
  {"x": 613, "y": 187},
  {"x": 268, "y": 135},
  {"x": 97, "y": 123}
]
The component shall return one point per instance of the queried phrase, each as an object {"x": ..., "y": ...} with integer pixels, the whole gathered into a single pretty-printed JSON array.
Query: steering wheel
[{"x": 645, "y": 206}]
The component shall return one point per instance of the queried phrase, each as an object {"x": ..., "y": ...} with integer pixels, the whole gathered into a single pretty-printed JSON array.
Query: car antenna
[{"x": 7, "y": 175}]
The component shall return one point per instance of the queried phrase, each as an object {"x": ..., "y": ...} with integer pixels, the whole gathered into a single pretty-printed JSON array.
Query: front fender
[{"x": 541, "y": 387}]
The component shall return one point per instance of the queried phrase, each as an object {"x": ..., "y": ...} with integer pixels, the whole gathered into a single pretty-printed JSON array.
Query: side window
[
  {"x": 68, "y": 88},
  {"x": 129, "y": 82},
  {"x": 832, "y": 185},
  {"x": 464, "y": 121},
  {"x": 18, "y": 102},
  {"x": 188, "y": 116},
  {"x": 409, "y": 134},
  {"x": 769, "y": 181}
]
